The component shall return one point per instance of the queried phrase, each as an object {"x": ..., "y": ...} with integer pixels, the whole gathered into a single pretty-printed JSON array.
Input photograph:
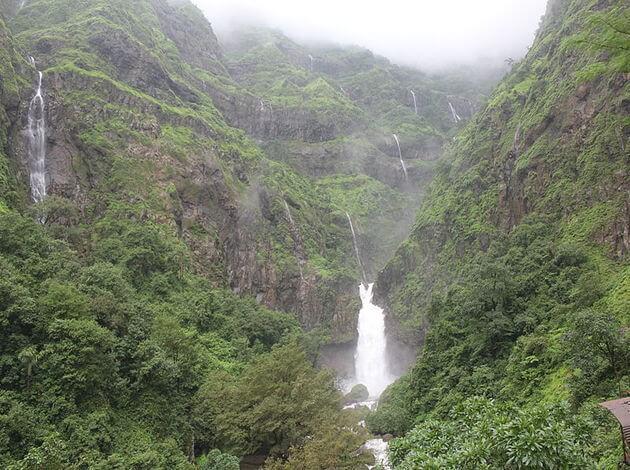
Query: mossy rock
[{"x": 358, "y": 393}]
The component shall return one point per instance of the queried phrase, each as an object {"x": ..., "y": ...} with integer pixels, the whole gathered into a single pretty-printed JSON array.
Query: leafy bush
[{"x": 481, "y": 433}]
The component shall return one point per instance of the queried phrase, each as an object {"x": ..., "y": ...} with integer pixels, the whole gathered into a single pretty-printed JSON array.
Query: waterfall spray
[
  {"x": 402, "y": 163},
  {"x": 37, "y": 143}
]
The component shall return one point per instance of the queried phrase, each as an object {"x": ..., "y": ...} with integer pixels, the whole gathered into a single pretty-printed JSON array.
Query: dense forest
[{"x": 185, "y": 219}]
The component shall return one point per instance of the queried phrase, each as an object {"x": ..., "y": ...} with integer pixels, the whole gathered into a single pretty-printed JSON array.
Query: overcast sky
[{"x": 424, "y": 33}]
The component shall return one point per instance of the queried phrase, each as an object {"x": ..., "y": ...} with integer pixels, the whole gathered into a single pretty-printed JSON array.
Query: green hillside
[{"x": 515, "y": 277}]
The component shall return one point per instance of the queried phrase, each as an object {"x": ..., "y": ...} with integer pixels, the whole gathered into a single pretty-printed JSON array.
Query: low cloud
[{"x": 426, "y": 34}]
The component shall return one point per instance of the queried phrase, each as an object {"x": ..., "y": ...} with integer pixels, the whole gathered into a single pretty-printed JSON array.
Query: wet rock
[{"x": 358, "y": 393}]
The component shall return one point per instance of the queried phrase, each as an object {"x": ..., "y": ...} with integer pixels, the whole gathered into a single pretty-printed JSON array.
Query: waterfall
[
  {"x": 312, "y": 59},
  {"x": 402, "y": 163},
  {"x": 456, "y": 117},
  {"x": 378, "y": 447},
  {"x": 262, "y": 105},
  {"x": 356, "y": 248},
  {"x": 415, "y": 103},
  {"x": 369, "y": 360},
  {"x": 296, "y": 238},
  {"x": 37, "y": 143}
]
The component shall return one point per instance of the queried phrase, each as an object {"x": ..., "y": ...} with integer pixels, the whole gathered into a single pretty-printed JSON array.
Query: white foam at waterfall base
[
  {"x": 370, "y": 360},
  {"x": 378, "y": 447},
  {"x": 36, "y": 133}
]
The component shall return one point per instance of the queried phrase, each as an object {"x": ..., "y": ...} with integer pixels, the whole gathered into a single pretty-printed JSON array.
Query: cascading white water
[
  {"x": 456, "y": 116},
  {"x": 37, "y": 143},
  {"x": 262, "y": 105},
  {"x": 370, "y": 361},
  {"x": 356, "y": 248},
  {"x": 402, "y": 162},
  {"x": 378, "y": 447},
  {"x": 312, "y": 59},
  {"x": 415, "y": 103}
]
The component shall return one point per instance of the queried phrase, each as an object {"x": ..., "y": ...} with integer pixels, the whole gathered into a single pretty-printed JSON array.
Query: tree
[
  {"x": 600, "y": 353},
  {"x": 275, "y": 404}
]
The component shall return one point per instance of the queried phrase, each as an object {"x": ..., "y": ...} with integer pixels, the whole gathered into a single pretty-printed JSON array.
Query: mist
[{"x": 431, "y": 35}]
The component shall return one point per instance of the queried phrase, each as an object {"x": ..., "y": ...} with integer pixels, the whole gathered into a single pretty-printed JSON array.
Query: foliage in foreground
[
  {"x": 482, "y": 434},
  {"x": 121, "y": 359}
]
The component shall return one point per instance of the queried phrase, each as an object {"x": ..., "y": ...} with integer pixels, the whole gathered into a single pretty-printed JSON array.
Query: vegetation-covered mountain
[
  {"x": 161, "y": 289},
  {"x": 163, "y": 305},
  {"x": 147, "y": 117},
  {"x": 516, "y": 273}
]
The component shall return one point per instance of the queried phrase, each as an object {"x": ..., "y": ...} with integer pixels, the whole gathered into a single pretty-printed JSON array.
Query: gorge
[{"x": 238, "y": 249}]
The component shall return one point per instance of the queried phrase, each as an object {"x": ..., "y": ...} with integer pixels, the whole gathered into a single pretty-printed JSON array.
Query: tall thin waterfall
[
  {"x": 356, "y": 248},
  {"x": 295, "y": 237},
  {"x": 456, "y": 116},
  {"x": 37, "y": 143},
  {"x": 312, "y": 59},
  {"x": 415, "y": 103},
  {"x": 402, "y": 163}
]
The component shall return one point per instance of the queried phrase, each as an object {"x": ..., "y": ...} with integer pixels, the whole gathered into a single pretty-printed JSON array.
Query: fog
[{"x": 429, "y": 34}]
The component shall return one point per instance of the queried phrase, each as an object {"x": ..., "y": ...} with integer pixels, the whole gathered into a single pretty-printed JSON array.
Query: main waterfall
[
  {"x": 370, "y": 359},
  {"x": 370, "y": 362},
  {"x": 37, "y": 143}
]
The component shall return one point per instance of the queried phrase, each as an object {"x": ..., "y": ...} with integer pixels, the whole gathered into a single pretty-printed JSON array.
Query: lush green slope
[
  {"x": 133, "y": 131},
  {"x": 147, "y": 118},
  {"x": 517, "y": 267},
  {"x": 119, "y": 324},
  {"x": 130, "y": 306}
]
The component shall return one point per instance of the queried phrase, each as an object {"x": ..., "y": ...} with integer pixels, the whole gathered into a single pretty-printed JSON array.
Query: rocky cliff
[{"x": 250, "y": 154}]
